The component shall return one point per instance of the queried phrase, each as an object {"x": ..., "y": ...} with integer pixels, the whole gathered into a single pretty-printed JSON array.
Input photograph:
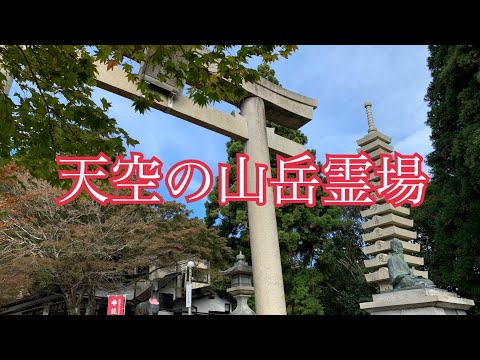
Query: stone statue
[
  {"x": 401, "y": 276},
  {"x": 152, "y": 305}
]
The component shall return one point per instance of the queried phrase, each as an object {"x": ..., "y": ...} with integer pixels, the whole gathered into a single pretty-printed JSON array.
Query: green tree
[
  {"x": 53, "y": 112},
  {"x": 448, "y": 221},
  {"x": 346, "y": 287},
  {"x": 303, "y": 232}
]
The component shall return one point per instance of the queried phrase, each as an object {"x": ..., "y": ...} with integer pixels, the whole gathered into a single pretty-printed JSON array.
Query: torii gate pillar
[{"x": 264, "y": 246}]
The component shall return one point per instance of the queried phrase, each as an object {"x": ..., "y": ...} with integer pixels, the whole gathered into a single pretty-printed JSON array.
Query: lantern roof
[{"x": 240, "y": 267}]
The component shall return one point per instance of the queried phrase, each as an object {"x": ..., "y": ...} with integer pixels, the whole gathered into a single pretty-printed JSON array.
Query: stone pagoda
[{"x": 385, "y": 222}]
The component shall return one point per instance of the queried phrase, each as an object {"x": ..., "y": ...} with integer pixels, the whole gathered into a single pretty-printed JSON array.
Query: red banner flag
[{"x": 116, "y": 305}]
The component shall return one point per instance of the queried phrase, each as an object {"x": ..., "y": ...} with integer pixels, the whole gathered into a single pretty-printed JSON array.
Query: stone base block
[{"x": 426, "y": 301}]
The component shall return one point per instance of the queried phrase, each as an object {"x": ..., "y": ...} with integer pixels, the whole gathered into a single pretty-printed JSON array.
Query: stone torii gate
[{"x": 265, "y": 100}]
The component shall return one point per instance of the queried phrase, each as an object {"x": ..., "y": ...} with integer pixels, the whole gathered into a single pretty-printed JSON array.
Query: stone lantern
[{"x": 241, "y": 285}]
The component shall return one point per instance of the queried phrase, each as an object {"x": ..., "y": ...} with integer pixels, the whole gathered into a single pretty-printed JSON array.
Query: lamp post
[{"x": 188, "y": 288}]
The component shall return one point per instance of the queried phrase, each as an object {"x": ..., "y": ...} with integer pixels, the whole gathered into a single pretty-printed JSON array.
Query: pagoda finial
[{"x": 371, "y": 124}]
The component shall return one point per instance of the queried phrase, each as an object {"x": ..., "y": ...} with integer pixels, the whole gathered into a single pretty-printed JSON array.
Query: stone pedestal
[
  {"x": 425, "y": 301},
  {"x": 242, "y": 294}
]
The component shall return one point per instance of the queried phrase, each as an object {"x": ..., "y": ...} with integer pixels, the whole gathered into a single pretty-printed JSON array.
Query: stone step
[
  {"x": 384, "y": 286},
  {"x": 375, "y": 154},
  {"x": 373, "y": 177},
  {"x": 383, "y": 246},
  {"x": 383, "y": 209},
  {"x": 382, "y": 275},
  {"x": 372, "y": 136},
  {"x": 377, "y": 199},
  {"x": 377, "y": 163},
  {"x": 386, "y": 220},
  {"x": 391, "y": 231},
  {"x": 374, "y": 145},
  {"x": 381, "y": 260}
]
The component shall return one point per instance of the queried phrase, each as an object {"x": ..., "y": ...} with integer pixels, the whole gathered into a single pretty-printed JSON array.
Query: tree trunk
[
  {"x": 73, "y": 301},
  {"x": 92, "y": 302}
]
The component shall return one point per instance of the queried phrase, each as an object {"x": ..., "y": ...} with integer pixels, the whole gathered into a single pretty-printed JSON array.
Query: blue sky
[{"x": 395, "y": 78}]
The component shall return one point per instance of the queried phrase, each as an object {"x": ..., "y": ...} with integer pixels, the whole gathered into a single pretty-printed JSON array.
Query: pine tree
[{"x": 346, "y": 287}]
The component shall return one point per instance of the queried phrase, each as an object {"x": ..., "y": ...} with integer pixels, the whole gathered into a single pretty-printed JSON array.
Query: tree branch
[{"x": 43, "y": 97}]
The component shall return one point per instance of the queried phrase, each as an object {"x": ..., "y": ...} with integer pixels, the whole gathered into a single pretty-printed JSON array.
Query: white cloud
[{"x": 417, "y": 141}]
